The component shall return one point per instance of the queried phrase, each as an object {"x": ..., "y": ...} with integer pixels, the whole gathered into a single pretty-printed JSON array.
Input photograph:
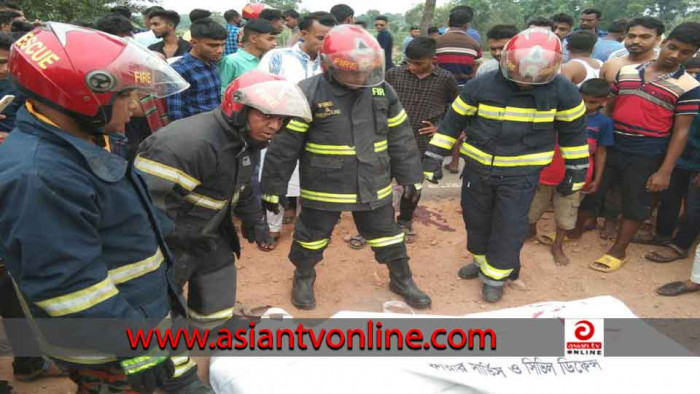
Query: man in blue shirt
[
  {"x": 198, "y": 67},
  {"x": 611, "y": 42},
  {"x": 381, "y": 24},
  {"x": 233, "y": 26}
]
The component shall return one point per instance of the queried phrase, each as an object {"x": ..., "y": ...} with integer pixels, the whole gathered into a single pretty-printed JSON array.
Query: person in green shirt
[{"x": 259, "y": 36}]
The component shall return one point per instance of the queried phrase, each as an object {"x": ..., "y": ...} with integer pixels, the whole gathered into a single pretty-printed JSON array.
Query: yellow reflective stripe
[
  {"x": 384, "y": 192},
  {"x": 515, "y": 114},
  {"x": 494, "y": 273},
  {"x": 297, "y": 126},
  {"x": 138, "y": 364},
  {"x": 315, "y": 245},
  {"x": 329, "y": 197},
  {"x": 571, "y": 114},
  {"x": 79, "y": 300},
  {"x": 443, "y": 141},
  {"x": 166, "y": 172},
  {"x": 220, "y": 315},
  {"x": 330, "y": 149},
  {"x": 577, "y": 186},
  {"x": 574, "y": 152},
  {"x": 534, "y": 159},
  {"x": 386, "y": 241},
  {"x": 136, "y": 270},
  {"x": 463, "y": 108},
  {"x": 271, "y": 198},
  {"x": 479, "y": 259},
  {"x": 418, "y": 186},
  {"x": 204, "y": 201},
  {"x": 180, "y": 370},
  {"x": 398, "y": 119},
  {"x": 179, "y": 360},
  {"x": 428, "y": 175},
  {"x": 381, "y": 146}
]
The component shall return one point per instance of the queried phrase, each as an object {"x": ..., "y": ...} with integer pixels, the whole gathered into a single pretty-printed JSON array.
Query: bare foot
[
  {"x": 452, "y": 167},
  {"x": 559, "y": 257},
  {"x": 609, "y": 231}
]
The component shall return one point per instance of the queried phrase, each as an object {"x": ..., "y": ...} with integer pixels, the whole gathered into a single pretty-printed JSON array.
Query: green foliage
[
  {"x": 283, "y": 5},
  {"x": 75, "y": 10}
]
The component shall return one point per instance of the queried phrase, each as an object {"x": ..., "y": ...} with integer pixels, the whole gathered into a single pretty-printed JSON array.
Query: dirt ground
[{"x": 351, "y": 280}]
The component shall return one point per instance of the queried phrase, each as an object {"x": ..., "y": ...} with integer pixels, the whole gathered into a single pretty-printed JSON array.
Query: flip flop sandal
[
  {"x": 272, "y": 246},
  {"x": 450, "y": 169},
  {"x": 650, "y": 241},
  {"x": 657, "y": 257},
  {"x": 357, "y": 242},
  {"x": 610, "y": 263},
  {"x": 674, "y": 289},
  {"x": 548, "y": 239}
]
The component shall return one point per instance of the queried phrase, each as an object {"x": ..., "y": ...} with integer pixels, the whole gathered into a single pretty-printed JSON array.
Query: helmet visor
[
  {"x": 530, "y": 66},
  {"x": 280, "y": 98},
  {"x": 358, "y": 68}
]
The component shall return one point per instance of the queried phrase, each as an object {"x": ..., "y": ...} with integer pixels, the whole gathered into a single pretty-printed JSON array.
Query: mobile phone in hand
[{"x": 5, "y": 101}]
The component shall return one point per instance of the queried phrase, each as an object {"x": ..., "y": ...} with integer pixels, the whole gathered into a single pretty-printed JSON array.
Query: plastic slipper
[
  {"x": 548, "y": 239},
  {"x": 675, "y": 289},
  {"x": 272, "y": 246},
  {"x": 357, "y": 242},
  {"x": 657, "y": 257},
  {"x": 641, "y": 240},
  {"x": 611, "y": 263},
  {"x": 450, "y": 169}
]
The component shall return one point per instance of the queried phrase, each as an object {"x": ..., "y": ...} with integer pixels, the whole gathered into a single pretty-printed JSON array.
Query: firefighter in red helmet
[
  {"x": 78, "y": 233},
  {"x": 252, "y": 10},
  {"x": 356, "y": 143},
  {"x": 198, "y": 171},
  {"x": 512, "y": 118}
]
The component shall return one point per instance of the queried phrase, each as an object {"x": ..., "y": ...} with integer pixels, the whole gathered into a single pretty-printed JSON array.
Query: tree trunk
[{"x": 427, "y": 16}]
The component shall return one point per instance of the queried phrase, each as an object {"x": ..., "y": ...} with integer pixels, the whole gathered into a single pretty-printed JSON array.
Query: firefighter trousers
[
  {"x": 313, "y": 230},
  {"x": 495, "y": 211},
  {"x": 211, "y": 290}
]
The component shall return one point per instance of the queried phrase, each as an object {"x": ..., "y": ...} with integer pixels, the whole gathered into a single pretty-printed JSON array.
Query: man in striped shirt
[{"x": 652, "y": 106}]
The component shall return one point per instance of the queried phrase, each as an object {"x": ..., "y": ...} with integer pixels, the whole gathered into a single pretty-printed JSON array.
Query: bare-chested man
[
  {"x": 581, "y": 66},
  {"x": 643, "y": 35}
]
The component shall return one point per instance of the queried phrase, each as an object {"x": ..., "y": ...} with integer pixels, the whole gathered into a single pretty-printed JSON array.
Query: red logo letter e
[{"x": 585, "y": 332}]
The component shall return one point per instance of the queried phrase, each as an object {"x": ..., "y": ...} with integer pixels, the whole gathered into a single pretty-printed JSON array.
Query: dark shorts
[{"x": 631, "y": 173}]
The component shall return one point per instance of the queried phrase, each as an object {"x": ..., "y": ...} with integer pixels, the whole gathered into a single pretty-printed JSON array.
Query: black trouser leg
[
  {"x": 689, "y": 228},
  {"x": 312, "y": 232},
  {"x": 382, "y": 233},
  {"x": 670, "y": 203}
]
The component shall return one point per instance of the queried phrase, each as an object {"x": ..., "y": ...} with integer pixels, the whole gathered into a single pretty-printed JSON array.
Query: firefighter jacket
[
  {"x": 80, "y": 238},
  {"x": 356, "y": 143},
  {"x": 197, "y": 169},
  {"x": 512, "y": 131}
]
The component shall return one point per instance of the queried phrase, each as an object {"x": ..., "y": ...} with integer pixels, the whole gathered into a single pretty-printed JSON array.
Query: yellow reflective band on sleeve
[
  {"x": 298, "y": 126},
  {"x": 220, "y": 315},
  {"x": 381, "y": 146},
  {"x": 577, "y": 186},
  {"x": 183, "y": 368},
  {"x": 138, "y": 364},
  {"x": 574, "y": 152},
  {"x": 342, "y": 150},
  {"x": 204, "y": 201},
  {"x": 572, "y": 114},
  {"x": 428, "y": 175},
  {"x": 494, "y": 273},
  {"x": 166, "y": 172},
  {"x": 398, "y": 119},
  {"x": 136, "y": 270},
  {"x": 384, "y": 192},
  {"x": 329, "y": 197},
  {"x": 443, "y": 141},
  {"x": 534, "y": 159},
  {"x": 315, "y": 245},
  {"x": 80, "y": 300},
  {"x": 463, "y": 108},
  {"x": 479, "y": 259},
  {"x": 418, "y": 186},
  {"x": 515, "y": 114},
  {"x": 271, "y": 198},
  {"x": 386, "y": 241}
]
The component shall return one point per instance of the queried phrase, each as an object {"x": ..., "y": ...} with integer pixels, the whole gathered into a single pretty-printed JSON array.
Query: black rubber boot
[
  {"x": 491, "y": 293},
  {"x": 303, "y": 289},
  {"x": 469, "y": 271},
  {"x": 401, "y": 282}
]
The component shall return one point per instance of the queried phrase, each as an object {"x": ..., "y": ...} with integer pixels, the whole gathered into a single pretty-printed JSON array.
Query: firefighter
[
  {"x": 78, "y": 233},
  {"x": 357, "y": 141},
  {"x": 198, "y": 170},
  {"x": 512, "y": 118}
]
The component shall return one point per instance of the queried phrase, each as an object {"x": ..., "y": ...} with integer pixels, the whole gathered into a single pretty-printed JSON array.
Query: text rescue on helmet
[{"x": 37, "y": 51}]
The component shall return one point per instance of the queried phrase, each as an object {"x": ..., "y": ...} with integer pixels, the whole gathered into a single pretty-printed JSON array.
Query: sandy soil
[{"x": 352, "y": 280}]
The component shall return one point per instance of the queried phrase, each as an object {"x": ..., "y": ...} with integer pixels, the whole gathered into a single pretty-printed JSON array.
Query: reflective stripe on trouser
[
  {"x": 212, "y": 284},
  {"x": 314, "y": 227},
  {"x": 495, "y": 211},
  {"x": 695, "y": 274}
]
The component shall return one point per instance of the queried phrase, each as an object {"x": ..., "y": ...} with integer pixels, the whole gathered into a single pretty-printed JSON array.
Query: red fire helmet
[
  {"x": 252, "y": 10},
  {"x": 353, "y": 56},
  {"x": 269, "y": 94},
  {"x": 80, "y": 71},
  {"x": 532, "y": 57}
]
